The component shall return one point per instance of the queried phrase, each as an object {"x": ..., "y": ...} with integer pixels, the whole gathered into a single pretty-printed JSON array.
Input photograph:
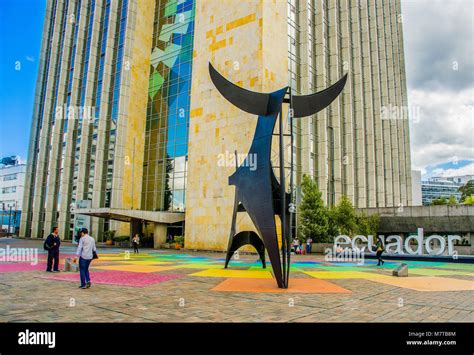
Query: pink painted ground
[
  {"x": 121, "y": 278},
  {"x": 18, "y": 267}
]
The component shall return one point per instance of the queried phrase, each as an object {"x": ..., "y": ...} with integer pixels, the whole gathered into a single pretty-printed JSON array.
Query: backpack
[{"x": 46, "y": 245}]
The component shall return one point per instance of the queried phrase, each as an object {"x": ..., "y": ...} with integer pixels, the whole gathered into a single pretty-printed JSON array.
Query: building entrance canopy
[{"x": 126, "y": 215}]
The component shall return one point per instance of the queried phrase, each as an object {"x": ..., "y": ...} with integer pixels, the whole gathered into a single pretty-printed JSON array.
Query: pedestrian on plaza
[
  {"x": 86, "y": 251},
  {"x": 309, "y": 243},
  {"x": 296, "y": 243},
  {"x": 52, "y": 244},
  {"x": 135, "y": 242},
  {"x": 379, "y": 251},
  {"x": 300, "y": 249}
]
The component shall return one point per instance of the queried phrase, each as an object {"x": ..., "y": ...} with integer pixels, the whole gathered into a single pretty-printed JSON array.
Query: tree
[
  {"x": 345, "y": 217},
  {"x": 333, "y": 229},
  {"x": 313, "y": 215},
  {"x": 452, "y": 201},
  {"x": 469, "y": 200},
  {"x": 467, "y": 190},
  {"x": 439, "y": 201},
  {"x": 367, "y": 225}
]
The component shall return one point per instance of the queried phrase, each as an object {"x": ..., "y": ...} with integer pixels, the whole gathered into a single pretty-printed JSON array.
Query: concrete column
[
  {"x": 399, "y": 102},
  {"x": 65, "y": 190},
  {"x": 41, "y": 168},
  {"x": 159, "y": 234},
  {"x": 384, "y": 92},
  {"x": 392, "y": 102},
  {"x": 321, "y": 126},
  {"x": 358, "y": 108},
  {"x": 27, "y": 205},
  {"x": 87, "y": 125},
  {"x": 370, "y": 166},
  {"x": 403, "y": 88},
  {"x": 303, "y": 44},
  {"x": 376, "y": 94},
  {"x": 347, "y": 97},
  {"x": 61, "y": 115},
  {"x": 335, "y": 109}
]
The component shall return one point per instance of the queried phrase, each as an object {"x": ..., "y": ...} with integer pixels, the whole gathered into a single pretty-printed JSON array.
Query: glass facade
[
  {"x": 112, "y": 113},
  {"x": 82, "y": 86},
  {"x": 51, "y": 160},
  {"x": 167, "y": 123},
  {"x": 67, "y": 116},
  {"x": 97, "y": 95}
]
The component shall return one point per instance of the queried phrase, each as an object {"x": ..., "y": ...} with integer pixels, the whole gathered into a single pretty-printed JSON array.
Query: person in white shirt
[
  {"x": 85, "y": 252},
  {"x": 135, "y": 242}
]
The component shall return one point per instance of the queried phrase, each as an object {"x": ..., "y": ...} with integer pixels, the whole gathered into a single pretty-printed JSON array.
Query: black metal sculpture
[{"x": 257, "y": 191}]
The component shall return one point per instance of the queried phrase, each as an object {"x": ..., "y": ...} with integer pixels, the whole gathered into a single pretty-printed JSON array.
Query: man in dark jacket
[{"x": 52, "y": 244}]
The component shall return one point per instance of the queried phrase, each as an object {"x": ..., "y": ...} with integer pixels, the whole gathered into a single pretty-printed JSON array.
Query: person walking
[
  {"x": 309, "y": 243},
  {"x": 85, "y": 252},
  {"x": 52, "y": 244},
  {"x": 379, "y": 251},
  {"x": 136, "y": 242}
]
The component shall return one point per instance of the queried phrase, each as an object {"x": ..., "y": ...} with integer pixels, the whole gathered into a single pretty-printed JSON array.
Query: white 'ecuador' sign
[{"x": 394, "y": 244}]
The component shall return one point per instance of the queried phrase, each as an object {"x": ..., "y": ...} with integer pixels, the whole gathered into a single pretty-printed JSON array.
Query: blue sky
[{"x": 21, "y": 26}]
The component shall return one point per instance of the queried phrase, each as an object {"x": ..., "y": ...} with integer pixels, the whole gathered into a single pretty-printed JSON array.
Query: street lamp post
[{"x": 9, "y": 220}]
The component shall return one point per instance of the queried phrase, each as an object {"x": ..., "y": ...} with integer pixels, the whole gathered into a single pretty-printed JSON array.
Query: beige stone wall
[
  {"x": 247, "y": 44},
  {"x": 128, "y": 159}
]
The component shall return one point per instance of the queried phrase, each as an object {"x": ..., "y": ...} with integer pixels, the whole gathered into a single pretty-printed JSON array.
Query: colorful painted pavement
[
  {"x": 183, "y": 286},
  {"x": 308, "y": 276}
]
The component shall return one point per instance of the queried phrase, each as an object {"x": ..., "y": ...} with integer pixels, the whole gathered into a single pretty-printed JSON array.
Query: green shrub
[
  {"x": 109, "y": 235},
  {"x": 179, "y": 240}
]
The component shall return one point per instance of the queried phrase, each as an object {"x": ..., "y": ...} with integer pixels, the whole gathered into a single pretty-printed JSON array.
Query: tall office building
[
  {"x": 360, "y": 145},
  {"x": 88, "y": 126},
  {"x": 155, "y": 140}
]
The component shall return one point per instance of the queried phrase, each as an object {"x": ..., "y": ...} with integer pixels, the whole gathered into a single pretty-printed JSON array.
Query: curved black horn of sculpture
[
  {"x": 248, "y": 101},
  {"x": 307, "y": 105},
  {"x": 257, "y": 190}
]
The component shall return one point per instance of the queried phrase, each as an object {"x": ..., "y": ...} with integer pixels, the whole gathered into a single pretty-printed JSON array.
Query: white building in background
[
  {"x": 416, "y": 187},
  {"x": 440, "y": 187},
  {"x": 462, "y": 179},
  {"x": 12, "y": 183}
]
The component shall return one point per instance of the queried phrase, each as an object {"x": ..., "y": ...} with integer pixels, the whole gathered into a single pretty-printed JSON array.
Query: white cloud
[
  {"x": 439, "y": 43},
  {"x": 443, "y": 132},
  {"x": 465, "y": 170}
]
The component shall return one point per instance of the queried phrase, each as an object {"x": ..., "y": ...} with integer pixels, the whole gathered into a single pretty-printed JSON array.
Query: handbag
[{"x": 94, "y": 255}]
